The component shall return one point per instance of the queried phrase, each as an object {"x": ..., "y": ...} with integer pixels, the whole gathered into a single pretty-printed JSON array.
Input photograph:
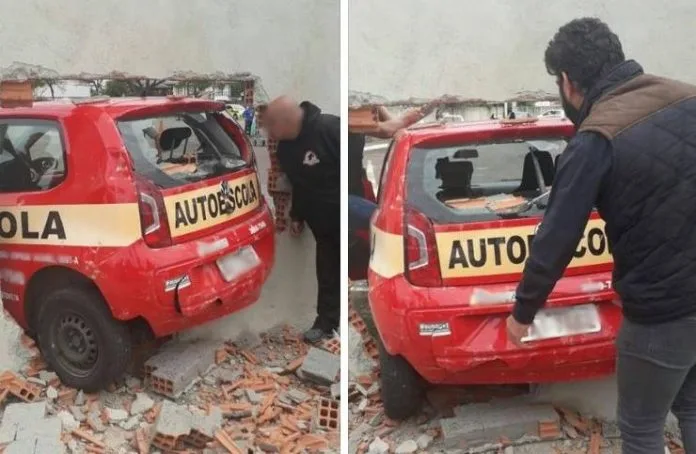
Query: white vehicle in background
[
  {"x": 236, "y": 110},
  {"x": 553, "y": 113}
]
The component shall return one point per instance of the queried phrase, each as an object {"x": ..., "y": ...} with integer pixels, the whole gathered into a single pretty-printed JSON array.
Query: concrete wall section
[
  {"x": 494, "y": 49},
  {"x": 294, "y": 46}
]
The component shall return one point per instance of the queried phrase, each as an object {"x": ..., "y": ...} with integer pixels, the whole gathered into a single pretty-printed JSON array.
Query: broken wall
[
  {"x": 492, "y": 50},
  {"x": 293, "y": 47}
]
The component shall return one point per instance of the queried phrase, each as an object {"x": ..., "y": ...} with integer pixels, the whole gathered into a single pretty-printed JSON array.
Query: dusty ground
[{"x": 585, "y": 424}]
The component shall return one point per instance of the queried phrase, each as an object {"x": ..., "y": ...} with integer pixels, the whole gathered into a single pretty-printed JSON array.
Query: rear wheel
[
  {"x": 80, "y": 339},
  {"x": 402, "y": 388}
]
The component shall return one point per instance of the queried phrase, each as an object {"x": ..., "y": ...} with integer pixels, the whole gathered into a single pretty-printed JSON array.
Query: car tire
[
  {"x": 86, "y": 347},
  {"x": 402, "y": 388}
]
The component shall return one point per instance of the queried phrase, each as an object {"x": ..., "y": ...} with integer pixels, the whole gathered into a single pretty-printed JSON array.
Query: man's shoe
[{"x": 316, "y": 334}]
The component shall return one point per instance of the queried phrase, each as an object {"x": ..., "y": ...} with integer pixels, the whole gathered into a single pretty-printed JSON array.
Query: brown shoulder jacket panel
[{"x": 634, "y": 101}]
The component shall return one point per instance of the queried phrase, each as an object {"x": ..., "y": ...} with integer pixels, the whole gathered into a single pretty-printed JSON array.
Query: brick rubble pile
[{"x": 272, "y": 395}]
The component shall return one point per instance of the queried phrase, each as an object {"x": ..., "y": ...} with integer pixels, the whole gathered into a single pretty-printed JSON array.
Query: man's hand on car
[
  {"x": 516, "y": 331},
  {"x": 296, "y": 228}
]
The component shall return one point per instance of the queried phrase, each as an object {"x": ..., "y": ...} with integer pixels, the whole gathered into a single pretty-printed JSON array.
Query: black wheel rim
[{"x": 75, "y": 344}]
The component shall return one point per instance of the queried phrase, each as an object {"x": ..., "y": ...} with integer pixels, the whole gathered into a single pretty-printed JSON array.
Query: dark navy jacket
[{"x": 634, "y": 158}]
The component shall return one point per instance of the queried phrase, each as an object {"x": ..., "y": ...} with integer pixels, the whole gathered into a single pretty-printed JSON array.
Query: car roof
[
  {"x": 114, "y": 107},
  {"x": 442, "y": 133}
]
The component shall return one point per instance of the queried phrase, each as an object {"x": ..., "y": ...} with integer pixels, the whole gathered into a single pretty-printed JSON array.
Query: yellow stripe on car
[
  {"x": 105, "y": 225},
  {"x": 387, "y": 254}
]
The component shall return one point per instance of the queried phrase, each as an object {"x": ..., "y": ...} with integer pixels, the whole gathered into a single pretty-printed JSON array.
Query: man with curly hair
[{"x": 634, "y": 159}]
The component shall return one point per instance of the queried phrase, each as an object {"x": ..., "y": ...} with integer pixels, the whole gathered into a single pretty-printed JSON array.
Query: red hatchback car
[
  {"x": 126, "y": 217},
  {"x": 458, "y": 209}
]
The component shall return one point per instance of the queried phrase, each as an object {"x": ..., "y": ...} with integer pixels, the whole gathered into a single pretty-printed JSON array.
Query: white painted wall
[
  {"x": 294, "y": 46},
  {"x": 493, "y": 49}
]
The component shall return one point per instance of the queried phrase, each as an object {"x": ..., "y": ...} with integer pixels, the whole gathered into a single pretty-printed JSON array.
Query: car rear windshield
[
  {"x": 473, "y": 182},
  {"x": 182, "y": 148}
]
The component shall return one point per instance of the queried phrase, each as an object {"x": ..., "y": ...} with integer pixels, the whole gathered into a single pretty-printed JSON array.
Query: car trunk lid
[{"x": 194, "y": 168}]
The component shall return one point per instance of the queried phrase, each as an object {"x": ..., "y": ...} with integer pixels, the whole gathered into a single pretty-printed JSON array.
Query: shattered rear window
[
  {"x": 470, "y": 182},
  {"x": 178, "y": 149}
]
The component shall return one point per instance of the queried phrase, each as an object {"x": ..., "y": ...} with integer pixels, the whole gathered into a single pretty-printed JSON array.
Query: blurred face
[{"x": 281, "y": 124}]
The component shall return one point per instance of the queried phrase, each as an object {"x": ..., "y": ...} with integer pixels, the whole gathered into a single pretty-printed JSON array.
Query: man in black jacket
[
  {"x": 309, "y": 145},
  {"x": 634, "y": 159}
]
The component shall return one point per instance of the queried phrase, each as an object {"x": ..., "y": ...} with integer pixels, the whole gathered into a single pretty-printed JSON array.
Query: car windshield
[
  {"x": 480, "y": 181},
  {"x": 180, "y": 148}
]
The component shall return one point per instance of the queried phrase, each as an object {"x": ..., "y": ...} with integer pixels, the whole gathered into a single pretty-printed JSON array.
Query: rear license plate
[
  {"x": 234, "y": 265},
  {"x": 563, "y": 322}
]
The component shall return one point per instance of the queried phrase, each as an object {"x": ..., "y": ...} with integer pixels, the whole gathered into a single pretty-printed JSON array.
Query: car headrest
[
  {"x": 171, "y": 138},
  {"x": 454, "y": 174}
]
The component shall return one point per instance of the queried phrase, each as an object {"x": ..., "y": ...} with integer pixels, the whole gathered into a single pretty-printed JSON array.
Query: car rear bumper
[
  {"x": 149, "y": 287},
  {"x": 476, "y": 350}
]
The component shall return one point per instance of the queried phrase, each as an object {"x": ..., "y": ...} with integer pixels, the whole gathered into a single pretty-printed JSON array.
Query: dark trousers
[
  {"x": 656, "y": 372},
  {"x": 328, "y": 258}
]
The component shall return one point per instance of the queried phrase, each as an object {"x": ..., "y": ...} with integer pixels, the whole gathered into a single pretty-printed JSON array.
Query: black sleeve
[
  {"x": 332, "y": 126},
  {"x": 584, "y": 166}
]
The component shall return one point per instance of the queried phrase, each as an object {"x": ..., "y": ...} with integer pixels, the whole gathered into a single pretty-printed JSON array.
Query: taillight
[
  {"x": 153, "y": 215},
  {"x": 422, "y": 264}
]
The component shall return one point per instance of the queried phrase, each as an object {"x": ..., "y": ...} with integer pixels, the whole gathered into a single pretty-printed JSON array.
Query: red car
[
  {"x": 458, "y": 209},
  {"x": 122, "y": 219}
]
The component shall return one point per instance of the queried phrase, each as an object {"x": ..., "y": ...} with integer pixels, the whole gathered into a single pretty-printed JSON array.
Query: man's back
[{"x": 648, "y": 203}]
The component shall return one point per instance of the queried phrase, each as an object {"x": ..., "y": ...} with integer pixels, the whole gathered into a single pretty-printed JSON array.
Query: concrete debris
[
  {"x": 424, "y": 441},
  {"x": 80, "y": 398},
  {"x": 130, "y": 424},
  {"x": 378, "y": 446},
  {"x": 116, "y": 415},
  {"x": 407, "y": 447},
  {"x": 482, "y": 423},
  {"x": 141, "y": 404},
  {"x": 247, "y": 401},
  {"x": 94, "y": 421},
  {"x": 320, "y": 366},
  {"x": 252, "y": 396},
  {"x": 51, "y": 393},
  {"x": 78, "y": 413},
  {"x": 178, "y": 366},
  {"x": 297, "y": 396},
  {"x": 68, "y": 421}
]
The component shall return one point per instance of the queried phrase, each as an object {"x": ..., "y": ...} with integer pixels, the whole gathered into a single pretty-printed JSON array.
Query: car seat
[
  {"x": 529, "y": 177},
  {"x": 455, "y": 177}
]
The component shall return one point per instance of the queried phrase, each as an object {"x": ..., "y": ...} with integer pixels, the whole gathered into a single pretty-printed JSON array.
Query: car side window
[{"x": 32, "y": 156}]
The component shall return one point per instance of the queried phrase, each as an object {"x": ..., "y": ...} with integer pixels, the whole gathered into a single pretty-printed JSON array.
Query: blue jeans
[
  {"x": 656, "y": 373},
  {"x": 359, "y": 213}
]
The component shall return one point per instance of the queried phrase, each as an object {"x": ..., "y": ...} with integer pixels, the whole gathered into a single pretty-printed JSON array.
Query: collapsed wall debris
[{"x": 235, "y": 397}]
